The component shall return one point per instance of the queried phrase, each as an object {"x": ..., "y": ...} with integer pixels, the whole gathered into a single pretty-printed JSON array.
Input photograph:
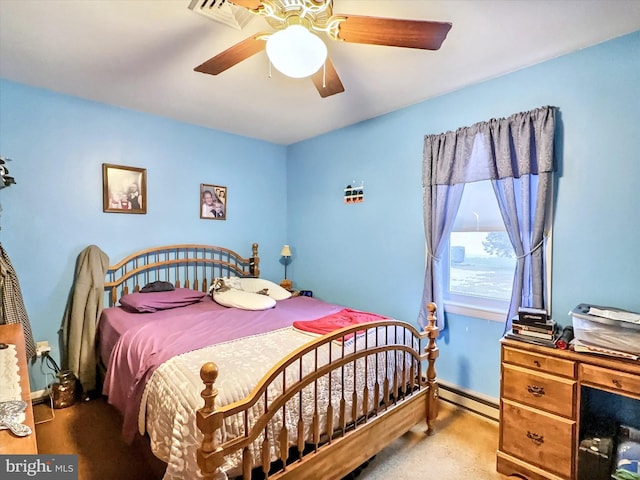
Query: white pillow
[
  {"x": 244, "y": 300},
  {"x": 274, "y": 290}
]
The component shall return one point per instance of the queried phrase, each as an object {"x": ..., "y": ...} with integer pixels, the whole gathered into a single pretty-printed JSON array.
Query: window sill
[{"x": 484, "y": 313}]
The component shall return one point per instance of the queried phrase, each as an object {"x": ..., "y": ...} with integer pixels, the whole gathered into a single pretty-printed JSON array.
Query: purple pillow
[{"x": 153, "y": 301}]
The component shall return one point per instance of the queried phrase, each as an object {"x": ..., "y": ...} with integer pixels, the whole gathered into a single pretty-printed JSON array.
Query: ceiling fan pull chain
[
  {"x": 324, "y": 75},
  {"x": 269, "y": 69}
]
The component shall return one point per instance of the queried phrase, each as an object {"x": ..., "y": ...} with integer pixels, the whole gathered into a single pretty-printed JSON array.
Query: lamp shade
[
  {"x": 286, "y": 251},
  {"x": 296, "y": 52}
]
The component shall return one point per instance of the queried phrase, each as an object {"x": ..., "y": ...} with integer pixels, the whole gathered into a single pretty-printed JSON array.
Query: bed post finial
[
  {"x": 209, "y": 421},
  {"x": 209, "y": 374},
  {"x": 255, "y": 261},
  {"x": 432, "y": 352}
]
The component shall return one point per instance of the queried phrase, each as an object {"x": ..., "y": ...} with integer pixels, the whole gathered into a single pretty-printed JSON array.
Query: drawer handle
[
  {"x": 535, "y": 390},
  {"x": 535, "y": 438},
  {"x": 536, "y": 363},
  {"x": 617, "y": 383}
]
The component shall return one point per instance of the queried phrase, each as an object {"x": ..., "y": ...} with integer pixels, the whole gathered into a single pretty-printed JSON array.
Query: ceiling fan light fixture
[{"x": 296, "y": 52}]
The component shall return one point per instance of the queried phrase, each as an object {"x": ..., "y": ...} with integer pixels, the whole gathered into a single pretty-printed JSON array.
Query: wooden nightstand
[{"x": 301, "y": 293}]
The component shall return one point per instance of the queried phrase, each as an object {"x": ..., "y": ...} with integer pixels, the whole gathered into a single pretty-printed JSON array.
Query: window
[
  {"x": 517, "y": 153},
  {"x": 479, "y": 261}
]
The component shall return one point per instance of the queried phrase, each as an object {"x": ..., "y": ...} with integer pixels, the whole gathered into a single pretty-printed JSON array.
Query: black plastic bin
[{"x": 595, "y": 457}]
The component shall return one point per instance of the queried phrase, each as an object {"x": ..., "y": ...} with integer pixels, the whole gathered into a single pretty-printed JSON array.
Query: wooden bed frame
[{"x": 334, "y": 450}]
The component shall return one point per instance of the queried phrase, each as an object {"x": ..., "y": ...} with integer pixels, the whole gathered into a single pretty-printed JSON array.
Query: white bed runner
[
  {"x": 9, "y": 374},
  {"x": 10, "y": 381}
]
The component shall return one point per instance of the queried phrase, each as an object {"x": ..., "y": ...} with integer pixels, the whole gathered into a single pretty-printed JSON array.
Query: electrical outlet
[{"x": 42, "y": 348}]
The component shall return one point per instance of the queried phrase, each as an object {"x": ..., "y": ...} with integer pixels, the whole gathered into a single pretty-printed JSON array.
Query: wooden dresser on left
[{"x": 9, "y": 443}]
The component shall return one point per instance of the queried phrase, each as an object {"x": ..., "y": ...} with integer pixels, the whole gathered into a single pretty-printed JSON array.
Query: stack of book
[{"x": 534, "y": 326}]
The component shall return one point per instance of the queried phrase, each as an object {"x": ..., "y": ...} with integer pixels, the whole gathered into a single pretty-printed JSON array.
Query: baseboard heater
[{"x": 473, "y": 401}]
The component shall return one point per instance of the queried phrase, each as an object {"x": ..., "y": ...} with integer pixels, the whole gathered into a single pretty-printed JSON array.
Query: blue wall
[
  {"x": 371, "y": 255},
  {"x": 368, "y": 255},
  {"x": 59, "y": 144}
]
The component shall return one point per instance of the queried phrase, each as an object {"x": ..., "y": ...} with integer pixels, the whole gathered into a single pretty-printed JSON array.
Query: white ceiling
[{"x": 140, "y": 54}]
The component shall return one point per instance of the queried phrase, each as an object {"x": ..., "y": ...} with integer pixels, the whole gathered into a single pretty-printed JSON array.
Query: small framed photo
[
  {"x": 213, "y": 202},
  {"x": 124, "y": 189}
]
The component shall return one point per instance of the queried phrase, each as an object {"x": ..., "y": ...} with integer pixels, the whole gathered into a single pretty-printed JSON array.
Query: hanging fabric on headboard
[
  {"x": 13, "y": 310},
  {"x": 83, "y": 308}
]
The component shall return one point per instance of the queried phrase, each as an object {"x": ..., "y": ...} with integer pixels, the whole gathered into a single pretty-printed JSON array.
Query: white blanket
[{"x": 172, "y": 396}]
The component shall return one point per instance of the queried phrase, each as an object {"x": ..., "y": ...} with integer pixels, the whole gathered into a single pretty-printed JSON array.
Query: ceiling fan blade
[
  {"x": 327, "y": 81},
  {"x": 232, "y": 56},
  {"x": 393, "y": 32},
  {"x": 250, "y": 4}
]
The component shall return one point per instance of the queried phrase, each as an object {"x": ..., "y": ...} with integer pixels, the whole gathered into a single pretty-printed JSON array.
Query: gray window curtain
[{"x": 516, "y": 154}]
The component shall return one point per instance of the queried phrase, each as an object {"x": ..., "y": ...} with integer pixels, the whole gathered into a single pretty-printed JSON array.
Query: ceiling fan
[{"x": 308, "y": 17}]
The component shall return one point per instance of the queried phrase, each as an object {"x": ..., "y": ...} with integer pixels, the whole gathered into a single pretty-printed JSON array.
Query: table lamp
[{"x": 286, "y": 253}]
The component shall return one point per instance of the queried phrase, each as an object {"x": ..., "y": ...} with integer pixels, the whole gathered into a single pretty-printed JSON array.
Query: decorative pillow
[
  {"x": 274, "y": 290},
  {"x": 225, "y": 283},
  {"x": 153, "y": 301},
  {"x": 243, "y": 300}
]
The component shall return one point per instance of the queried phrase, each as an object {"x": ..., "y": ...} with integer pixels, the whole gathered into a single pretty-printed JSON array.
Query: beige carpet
[{"x": 463, "y": 447}]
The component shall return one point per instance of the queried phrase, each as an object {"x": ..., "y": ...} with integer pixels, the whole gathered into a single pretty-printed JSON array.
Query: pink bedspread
[
  {"x": 335, "y": 321},
  {"x": 153, "y": 338}
]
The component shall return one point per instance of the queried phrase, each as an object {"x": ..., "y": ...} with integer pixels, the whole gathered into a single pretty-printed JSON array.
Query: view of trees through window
[{"x": 482, "y": 264}]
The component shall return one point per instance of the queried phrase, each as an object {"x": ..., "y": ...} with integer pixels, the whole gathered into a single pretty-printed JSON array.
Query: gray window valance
[{"x": 511, "y": 147}]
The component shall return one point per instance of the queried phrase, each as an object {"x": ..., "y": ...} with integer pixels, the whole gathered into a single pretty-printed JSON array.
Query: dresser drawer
[
  {"x": 537, "y": 438},
  {"x": 540, "y": 390},
  {"x": 611, "y": 380},
  {"x": 535, "y": 361}
]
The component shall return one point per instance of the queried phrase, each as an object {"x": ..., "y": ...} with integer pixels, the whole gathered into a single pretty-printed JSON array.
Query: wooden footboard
[{"x": 359, "y": 394}]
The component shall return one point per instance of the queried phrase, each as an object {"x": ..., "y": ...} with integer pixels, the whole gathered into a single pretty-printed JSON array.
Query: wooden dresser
[
  {"x": 9, "y": 443},
  {"x": 540, "y": 399}
]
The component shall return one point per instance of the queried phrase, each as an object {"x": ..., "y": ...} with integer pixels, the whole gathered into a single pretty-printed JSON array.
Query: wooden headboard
[{"x": 188, "y": 266}]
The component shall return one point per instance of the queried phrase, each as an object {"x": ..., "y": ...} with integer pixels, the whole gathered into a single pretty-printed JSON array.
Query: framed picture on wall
[
  {"x": 124, "y": 189},
  {"x": 213, "y": 202}
]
